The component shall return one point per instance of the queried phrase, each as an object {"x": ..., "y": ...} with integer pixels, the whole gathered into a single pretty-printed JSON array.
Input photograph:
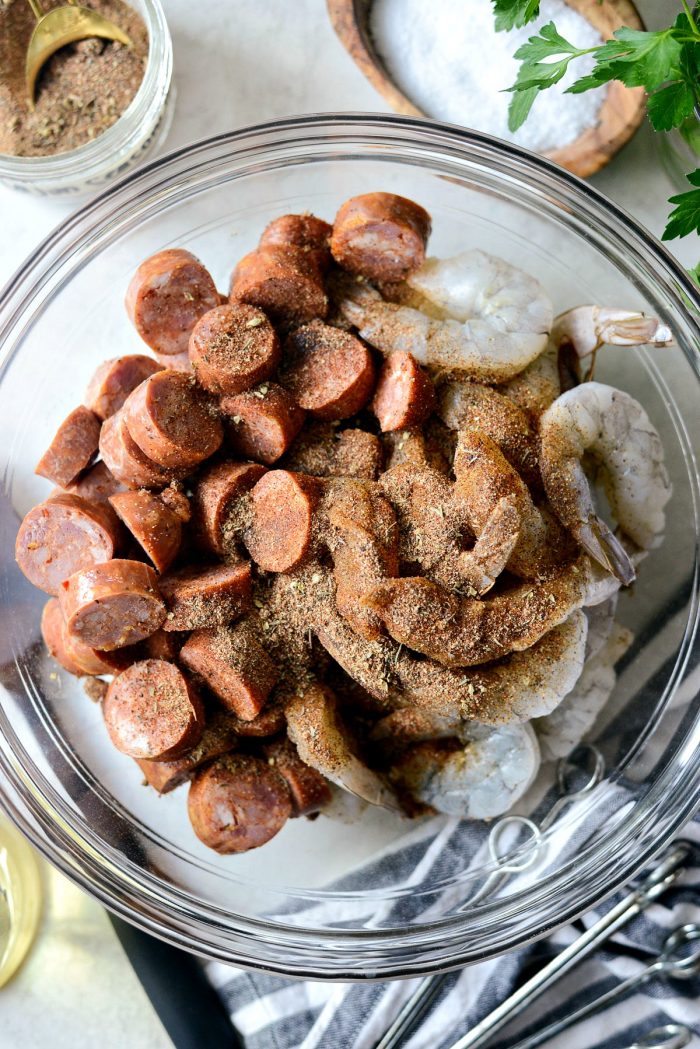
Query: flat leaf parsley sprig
[{"x": 666, "y": 63}]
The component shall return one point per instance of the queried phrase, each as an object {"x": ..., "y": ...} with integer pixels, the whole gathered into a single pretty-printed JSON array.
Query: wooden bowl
[{"x": 620, "y": 114}]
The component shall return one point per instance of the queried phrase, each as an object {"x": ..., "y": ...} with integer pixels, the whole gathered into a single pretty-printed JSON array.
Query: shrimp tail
[
  {"x": 586, "y": 328},
  {"x": 605, "y": 548}
]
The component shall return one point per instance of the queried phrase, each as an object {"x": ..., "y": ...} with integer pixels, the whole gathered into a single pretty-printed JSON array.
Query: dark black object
[{"x": 188, "y": 1006}]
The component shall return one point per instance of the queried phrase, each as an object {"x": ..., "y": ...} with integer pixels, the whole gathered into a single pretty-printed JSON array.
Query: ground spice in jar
[{"x": 81, "y": 91}]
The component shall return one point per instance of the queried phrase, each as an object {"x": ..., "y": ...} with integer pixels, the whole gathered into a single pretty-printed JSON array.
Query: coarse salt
[{"x": 446, "y": 56}]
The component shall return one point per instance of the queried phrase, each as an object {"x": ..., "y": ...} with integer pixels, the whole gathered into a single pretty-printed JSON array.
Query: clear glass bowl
[
  {"x": 312, "y": 901},
  {"x": 138, "y": 132}
]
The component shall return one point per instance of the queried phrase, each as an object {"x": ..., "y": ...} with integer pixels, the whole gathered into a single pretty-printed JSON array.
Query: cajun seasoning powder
[{"x": 81, "y": 91}]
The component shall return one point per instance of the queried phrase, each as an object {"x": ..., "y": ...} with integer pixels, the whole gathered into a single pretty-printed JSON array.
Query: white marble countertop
[{"x": 263, "y": 60}]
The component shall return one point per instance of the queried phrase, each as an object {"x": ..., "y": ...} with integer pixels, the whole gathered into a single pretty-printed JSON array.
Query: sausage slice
[
  {"x": 328, "y": 372},
  {"x": 126, "y": 461},
  {"x": 113, "y": 604},
  {"x": 279, "y": 535},
  {"x": 262, "y": 422},
  {"x": 307, "y": 232},
  {"x": 219, "y": 507},
  {"x": 171, "y": 421},
  {"x": 238, "y": 803},
  {"x": 153, "y": 712},
  {"x": 358, "y": 454},
  {"x": 380, "y": 236},
  {"x": 115, "y": 379},
  {"x": 74, "y": 655},
  {"x": 62, "y": 536},
  {"x": 269, "y": 722},
  {"x": 405, "y": 395},
  {"x": 72, "y": 449},
  {"x": 177, "y": 362},
  {"x": 96, "y": 485},
  {"x": 155, "y": 528},
  {"x": 204, "y": 597},
  {"x": 53, "y": 633},
  {"x": 166, "y": 297},
  {"x": 233, "y": 348},
  {"x": 309, "y": 790},
  {"x": 219, "y": 737},
  {"x": 284, "y": 282},
  {"x": 234, "y": 665}
]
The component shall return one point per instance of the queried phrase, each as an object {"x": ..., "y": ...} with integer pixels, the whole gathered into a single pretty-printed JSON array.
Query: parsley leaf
[
  {"x": 685, "y": 217},
  {"x": 671, "y": 105},
  {"x": 536, "y": 74},
  {"x": 511, "y": 14}
]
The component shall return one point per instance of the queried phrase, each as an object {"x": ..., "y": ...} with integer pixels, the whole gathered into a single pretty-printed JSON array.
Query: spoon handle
[{"x": 36, "y": 9}]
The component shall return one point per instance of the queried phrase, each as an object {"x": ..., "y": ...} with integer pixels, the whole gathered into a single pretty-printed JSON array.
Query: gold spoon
[{"x": 60, "y": 26}]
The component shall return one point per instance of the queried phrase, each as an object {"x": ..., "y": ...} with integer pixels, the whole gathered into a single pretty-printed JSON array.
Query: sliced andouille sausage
[
  {"x": 269, "y": 722},
  {"x": 238, "y": 803},
  {"x": 157, "y": 529},
  {"x": 380, "y": 236},
  {"x": 405, "y": 395},
  {"x": 219, "y": 737},
  {"x": 175, "y": 499},
  {"x": 309, "y": 790},
  {"x": 163, "y": 644},
  {"x": 171, "y": 420},
  {"x": 234, "y": 665},
  {"x": 126, "y": 461},
  {"x": 62, "y": 536},
  {"x": 73, "y": 654},
  {"x": 177, "y": 362},
  {"x": 283, "y": 282},
  {"x": 262, "y": 423},
  {"x": 307, "y": 232},
  {"x": 153, "y": 712},
  {"x": 115, "y": 379},
  {"x": 166, "y": 297},
  {"x": 279, "y": 534},
  {"x": 328, "y": 372},
  {"x": 358, "y": 454},
  {"x": 72, "y": 449},
  {"x": 199, "y": 597},
  {"x": 96, "y": 484},
  {"x": 233, "y": 347},
  {"x": 220, "y": 506},
  {"x": 53, "y": 633},
  {"x": 113, "y": 604}
]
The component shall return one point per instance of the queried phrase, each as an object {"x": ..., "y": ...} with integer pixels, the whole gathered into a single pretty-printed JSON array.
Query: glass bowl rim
[{"x": 250, "y": 941}]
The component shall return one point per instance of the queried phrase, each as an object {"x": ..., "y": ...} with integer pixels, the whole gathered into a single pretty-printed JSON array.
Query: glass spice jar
[{"x": 137, "y": 133}]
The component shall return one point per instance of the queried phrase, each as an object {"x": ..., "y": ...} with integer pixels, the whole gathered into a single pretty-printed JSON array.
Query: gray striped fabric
[{"x": 273, "y": 1013}]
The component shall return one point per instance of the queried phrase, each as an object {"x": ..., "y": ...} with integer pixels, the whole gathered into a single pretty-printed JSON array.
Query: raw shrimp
[
  {"x": 563, "y": 729},
  {"x": 522, "y": 685},
  {"x": 464, "y": 405},
  {"x": 476, "y": 314},
  {"x": 582, "y": 330},
  {"x": 484, "y": 478},
  {"x": 462, "y": 631},
  {"x": 361, "y": 533},
  {"x": 433, "y": 528},
  {"x": 480, "y": 779},
  {"x": 313, "y": 724},
  {"x": 615, "y": 430}
]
